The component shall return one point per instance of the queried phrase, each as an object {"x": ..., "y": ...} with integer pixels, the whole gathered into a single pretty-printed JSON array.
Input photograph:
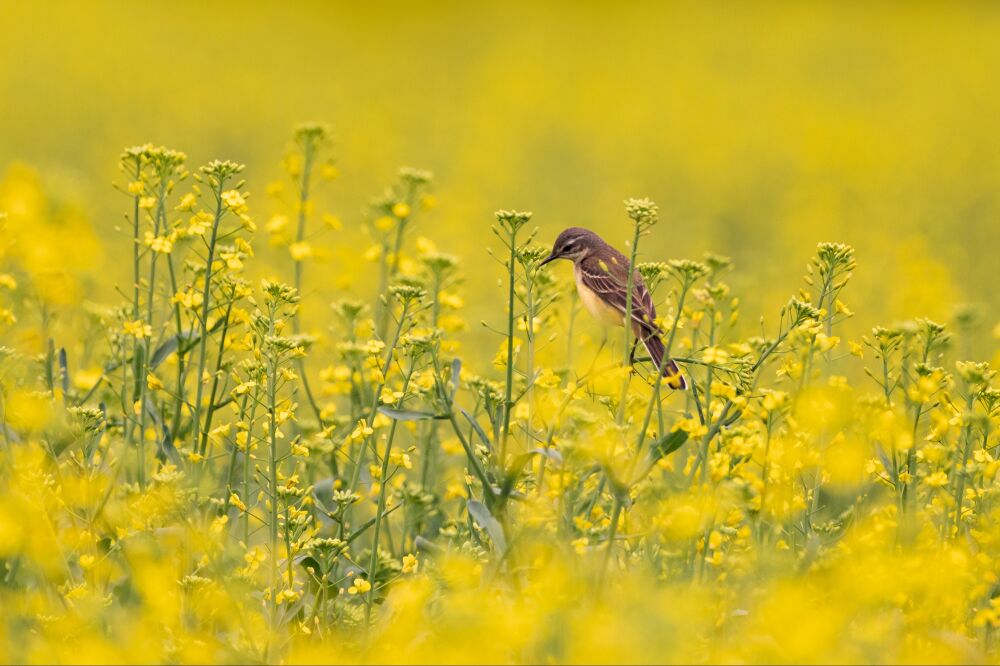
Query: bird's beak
[{"x": 548, "y": 259}]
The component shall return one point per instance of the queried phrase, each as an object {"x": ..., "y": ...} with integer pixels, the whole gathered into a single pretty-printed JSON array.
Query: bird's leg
[{"x": 631, "y": 356}]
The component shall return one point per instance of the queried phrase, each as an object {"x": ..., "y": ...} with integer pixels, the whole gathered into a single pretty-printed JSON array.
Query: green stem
[
  {"x": 386, "y": 367},
  {"x": 627, "y": 325},
  {"x": 215, "y": 379},
  {"x": 181, "y": 355},
  {"x": 206, "y": 296},
  {"x": 508, "y": 402},
  {"x": 247, "y": 458},
  {"x": 127, "y": 401},
  {"x": 655, "y": 401},
  {"x": 272, "y": 390},
  {"x": 960, "y": 472},
  {"x": 232, "y": 457},
  {"x": 612, "y": 534},
  {"x": 380, "y": 512},
  {"x": 716, "y": 426},
  {"x": 308, "y": 155},
  {"x": 911, "y": 455}
]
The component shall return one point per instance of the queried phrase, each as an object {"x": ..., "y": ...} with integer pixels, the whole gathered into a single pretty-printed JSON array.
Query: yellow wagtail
[{"x": 601, "y": 274}]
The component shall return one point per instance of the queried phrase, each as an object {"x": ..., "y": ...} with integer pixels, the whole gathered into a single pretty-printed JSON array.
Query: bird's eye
[{"x": 568, "y": 247}]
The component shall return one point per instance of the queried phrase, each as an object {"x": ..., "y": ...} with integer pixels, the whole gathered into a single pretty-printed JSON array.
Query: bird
[{"x": 601, "y": 274}]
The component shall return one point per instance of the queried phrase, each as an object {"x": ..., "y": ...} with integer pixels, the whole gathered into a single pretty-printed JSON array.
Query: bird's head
[{"x": 574, "y": 244}]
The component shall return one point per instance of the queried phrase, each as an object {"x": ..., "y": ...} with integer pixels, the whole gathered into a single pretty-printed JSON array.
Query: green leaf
[
  {"x": 410, "y": 415},
  {"x": 168, "y": 347},
  {"x": 513, "y": 473},
  {"x": 475, "y": 426},
  {"x": 427, "y": 546},
  {"x": 551, "y": 454},
  {"x": 456, "y": 370},
  {"x": 669, "y": 443},
  {"x": 9, "y": 433},
  {"x": 137, "y": 374},
  {"x": 63, "y": 372},
  {"x": 485, "y": 520},
  {"x": 310, "y": 562},
  {"x": 166, "y": 451}
]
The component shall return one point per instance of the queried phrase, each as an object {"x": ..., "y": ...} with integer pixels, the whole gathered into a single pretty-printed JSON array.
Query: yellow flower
[
  {"x": 361, "y": 430},
  {"x": 401, "y": 210},
  {"x": 390, "y": 397},
  {"x": 300, "y": 251},
  {"x": 922, "y": 390},
  {"x": 452, "y": 447},
  {"x": 84, "y": 380},
  {"x": 137, "y": 329},
  {"x": 234, "y": 201},
  {"x": 454, "y": 490},
  {"x": 153, "y": 382},
  {"x": 410, "y": 563},
  {"x": 28, "y": 410},
  {"x": 235, "y": 500},
  {"x": 714, "y": 355},
  {"x": 218, "y": 524},
  {"x": 384, "y": 223},
  {"x": 188, "y": 202},
  {"x": 233, "y": 260},
  {"x": 189, "y": 299},
  {"x": 937, "y": 480},
  {"x": 426, "y": 246},
  {"x": 400, "y": 459},
  {"x": 451, "y": 300},
  {"x": 500, "y": 360},
  {"x": 276, "y": 224},
  {"x": 825, "y": 343},
  {"x": 244, "y": 387},
  {"x": 159, "y": 244},
  {"x": 547, "y": 379},
  {"x": 841, "y": 308},
  {"x": 199, "y": 224},
  {"x": 361, "y": 586},
  {"x": 692, "y": 427}
]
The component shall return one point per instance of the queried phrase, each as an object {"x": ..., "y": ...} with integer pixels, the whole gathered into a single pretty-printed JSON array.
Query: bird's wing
[{"x": 609, "y": 280}]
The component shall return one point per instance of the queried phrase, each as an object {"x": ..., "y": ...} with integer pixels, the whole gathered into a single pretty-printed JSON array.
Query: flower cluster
[{"x": 206, "y": 471}]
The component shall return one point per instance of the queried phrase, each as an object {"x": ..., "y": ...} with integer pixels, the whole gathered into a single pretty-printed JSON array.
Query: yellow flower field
[{"x": 267, "y": 396}]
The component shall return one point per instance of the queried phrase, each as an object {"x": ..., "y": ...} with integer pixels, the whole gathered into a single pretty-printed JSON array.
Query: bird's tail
[{"x": 672, "y": 374}]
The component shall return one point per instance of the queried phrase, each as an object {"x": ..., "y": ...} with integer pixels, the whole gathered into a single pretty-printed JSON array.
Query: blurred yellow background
[{"x": 760, "y": 129}]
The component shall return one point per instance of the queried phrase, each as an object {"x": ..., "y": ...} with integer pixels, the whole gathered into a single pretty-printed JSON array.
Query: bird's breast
[{"x": 595, "y": 304}]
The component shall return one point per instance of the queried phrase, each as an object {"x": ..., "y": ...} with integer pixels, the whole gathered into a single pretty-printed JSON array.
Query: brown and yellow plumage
[{"x": 602, "y": 276}]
